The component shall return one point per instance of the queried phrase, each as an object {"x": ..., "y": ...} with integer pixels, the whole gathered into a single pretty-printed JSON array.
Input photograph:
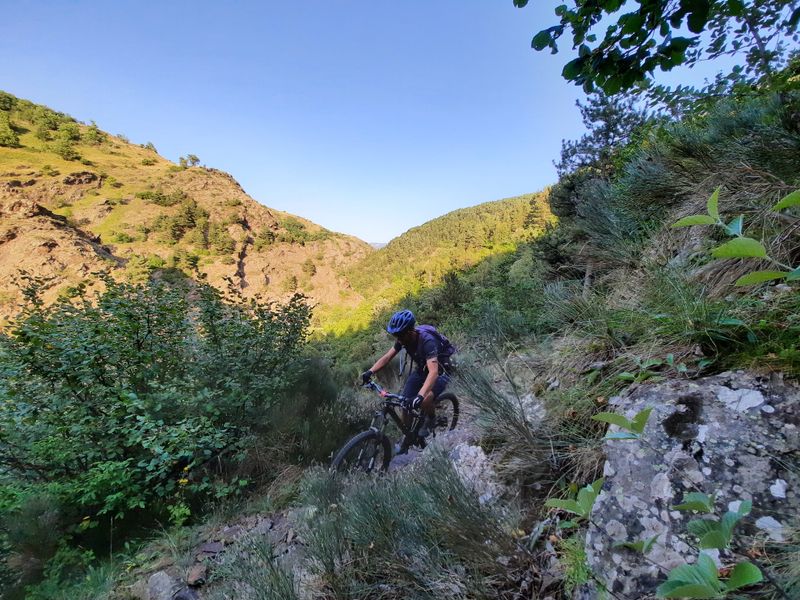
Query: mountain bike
[{"x": 371, "y": 450}]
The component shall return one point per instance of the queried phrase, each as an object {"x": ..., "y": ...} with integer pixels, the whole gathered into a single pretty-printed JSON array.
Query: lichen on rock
[{"x": 710, "y": 435}]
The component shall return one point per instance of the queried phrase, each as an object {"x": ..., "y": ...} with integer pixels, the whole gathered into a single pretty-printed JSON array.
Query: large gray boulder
[{"x": 734, "y": 435}]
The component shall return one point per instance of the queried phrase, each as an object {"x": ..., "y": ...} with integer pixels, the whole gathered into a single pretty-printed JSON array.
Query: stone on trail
[{"x": 161, "y": 586}]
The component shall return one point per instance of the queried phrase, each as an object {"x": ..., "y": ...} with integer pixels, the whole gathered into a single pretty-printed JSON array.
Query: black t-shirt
[{"x": 427, "y": 346}]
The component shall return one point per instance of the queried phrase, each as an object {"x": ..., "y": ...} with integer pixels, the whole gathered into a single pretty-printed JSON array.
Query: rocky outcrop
[
  {"x": 81, "y": 178},
  {"x": 734, "y": 435}
]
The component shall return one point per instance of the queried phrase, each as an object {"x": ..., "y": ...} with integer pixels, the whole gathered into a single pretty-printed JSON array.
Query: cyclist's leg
[
  {"x": 429, "y": 404},
  {"x": 440, "y": 385},
  {"x": 411, "y": 389}
]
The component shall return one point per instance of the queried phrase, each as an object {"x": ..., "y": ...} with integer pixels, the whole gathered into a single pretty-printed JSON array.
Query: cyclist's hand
[
  {"x": 365, "y": 377},
  {"x": 413, "y": 403}
]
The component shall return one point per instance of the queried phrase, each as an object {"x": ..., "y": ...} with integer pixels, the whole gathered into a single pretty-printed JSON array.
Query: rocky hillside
[{"x": 75, "y": 200}]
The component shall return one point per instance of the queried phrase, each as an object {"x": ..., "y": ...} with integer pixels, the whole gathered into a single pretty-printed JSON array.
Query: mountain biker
[{"x": 431, "y": 353}]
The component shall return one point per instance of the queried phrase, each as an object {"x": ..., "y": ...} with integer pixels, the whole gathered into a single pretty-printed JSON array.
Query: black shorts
[{"x": 415, "y": 381}]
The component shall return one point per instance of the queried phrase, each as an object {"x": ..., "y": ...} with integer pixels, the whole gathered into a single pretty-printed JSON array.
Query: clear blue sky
[{"x": 366, "y": 116}]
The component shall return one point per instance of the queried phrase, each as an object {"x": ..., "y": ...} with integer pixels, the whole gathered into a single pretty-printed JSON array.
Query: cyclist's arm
[
  {"x": 432, "y": 376},
  {"x": 384, "y": 360}
]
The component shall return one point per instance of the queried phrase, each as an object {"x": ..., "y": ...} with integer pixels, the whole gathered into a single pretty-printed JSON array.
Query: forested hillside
[{"x": 421, "y": 257}]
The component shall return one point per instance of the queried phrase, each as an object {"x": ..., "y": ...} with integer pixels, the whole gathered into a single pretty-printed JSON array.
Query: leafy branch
[{"x": 741, "y": 246}]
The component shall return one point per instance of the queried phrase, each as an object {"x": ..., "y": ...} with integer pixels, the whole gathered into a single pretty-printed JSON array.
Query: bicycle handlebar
[{"x": 393, "y": 399}]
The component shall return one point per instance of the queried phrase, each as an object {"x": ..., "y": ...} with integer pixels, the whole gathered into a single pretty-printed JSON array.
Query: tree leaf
[
  {"x": 520, "y": 3},
  {"x": 760, "y": 277},
  {"x": 686, "y": 590},
  {"x": 712, "y": 205},
  {"x": 789, "y": 200},
  {"x": 643, "y": 546},
  {"x": 699, "y": 580},
  {"x": 742, "y": 247},
  {"x": 622, "y": 435},
  {"x": 794, "y": 19},
  {"x": 640, "y": 420},
  {"x": 586, "y": 497},
  {"x": 736, "y": 7},
  {"x": 714, "y": 539},
  {"x": 743, "y": 574},
  {"x": 572, "y": 69},
  {"x": 728, "y": 522},
  {"x": 697, "y": 502},
  {"x": 697, "y": 21},
  {"x": 695, "y": 220},
  {"x": 564, "y": 504},
  {"x": 700, "y": 527},
  {"x": 541, "y": 40},
  {"x": 735, "y": 226},
  {"x": 708, "y": 570},
  {"x": 614, "y": 419}
]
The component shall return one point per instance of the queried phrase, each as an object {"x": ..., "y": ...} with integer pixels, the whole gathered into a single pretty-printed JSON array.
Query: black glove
[
  {"x": 414, "y": 403},
  {"x": 365, "y": 377}
]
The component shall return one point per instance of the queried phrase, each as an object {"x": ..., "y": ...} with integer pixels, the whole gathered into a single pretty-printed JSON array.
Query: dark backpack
[{"x": 446, "y": 348}]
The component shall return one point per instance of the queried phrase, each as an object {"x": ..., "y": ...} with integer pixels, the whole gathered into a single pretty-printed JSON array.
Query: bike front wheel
[
  {"x": 446, "y": 412},
  {"x": 368, "y": 452}
]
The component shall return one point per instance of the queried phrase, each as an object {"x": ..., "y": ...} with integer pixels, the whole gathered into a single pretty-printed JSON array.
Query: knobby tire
[
  {"x": 364, "y": 442},
  {"x": 447, "y": 406}
]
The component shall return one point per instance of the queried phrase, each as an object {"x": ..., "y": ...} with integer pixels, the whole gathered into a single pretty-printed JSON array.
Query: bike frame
[{"x": 390, "y": 402}]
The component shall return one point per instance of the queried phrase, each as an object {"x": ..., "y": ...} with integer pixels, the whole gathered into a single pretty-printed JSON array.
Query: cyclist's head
[{"x": 401, "y": 322}]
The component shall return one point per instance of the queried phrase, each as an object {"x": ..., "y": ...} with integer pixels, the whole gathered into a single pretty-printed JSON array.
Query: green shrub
[
  {"x": 66, "y": 150},
  {"x": 171, "y": 199},
  {"x": 8, "y": 137},
  {"x": 69, "y": 131},
  {"x": 121, "y": 237},
  {"x": 265, "y": 238},
  {"x": 219, "y": 240},
  {"x": 133, "y": 399},
  {"x": 93, "y": 135}
]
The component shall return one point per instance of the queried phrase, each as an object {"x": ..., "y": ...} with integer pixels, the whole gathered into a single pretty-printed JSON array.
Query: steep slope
[
  {"x": 423, "y": 255},
  {"x": 74, "y": 199}
]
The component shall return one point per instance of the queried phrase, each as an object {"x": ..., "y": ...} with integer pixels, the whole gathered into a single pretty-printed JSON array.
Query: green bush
[
  {"x": 8, "y": 137},
  {"x": 163, "y": 199},
  {"x": 219, "y": 240},
  {"x": 123, "y": 403},
  {"x": 66, "y": 150},
  {"x": 266, "y": 237},
  {"x": 69, "y": 131},
  {"x": 93, "y": 135}
]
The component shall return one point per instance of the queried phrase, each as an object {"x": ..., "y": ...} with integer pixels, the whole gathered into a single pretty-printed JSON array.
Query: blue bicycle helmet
[{"x": 401, "y": 321}]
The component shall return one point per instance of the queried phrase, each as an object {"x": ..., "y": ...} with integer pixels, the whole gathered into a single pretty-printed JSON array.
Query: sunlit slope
[
  {"x": 74, "y": 199},
  {"x": 420, "y": 257}
]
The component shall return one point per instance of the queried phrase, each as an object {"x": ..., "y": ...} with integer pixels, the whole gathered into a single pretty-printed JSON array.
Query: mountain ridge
[{"x": 74, "y": 200}]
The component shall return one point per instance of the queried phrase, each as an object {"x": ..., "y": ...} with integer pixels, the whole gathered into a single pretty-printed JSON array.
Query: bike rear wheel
[
  {"x": 368, "y": 452},
  {"x": 447, "y": 410}
]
